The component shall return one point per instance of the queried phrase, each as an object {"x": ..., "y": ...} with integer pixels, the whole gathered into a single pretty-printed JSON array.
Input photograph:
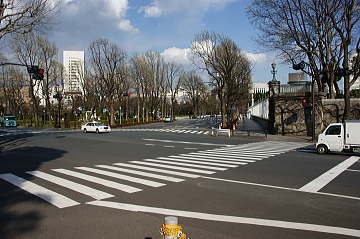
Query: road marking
[
  {"x": 149, "y": 144},
  {"x": 238, "y": 153},
  {"x": 328, "y": 176},
  {"x": 107, "y": 183},
  {"x": 282, "y": 188},
  {"x": 187, "y": 175},
  {"x": 237, "y": 158},
  {"x": 191, "y": 148},
  {"x": 353, "y": 170},
  {"x": 169, "y": 146},
  {"x": 231, "y": 219},
  {"x": 52, "y": 197},
  {"x": 225, "y": 161},
  {"x": 231, "y": 155},
  {"x": 151, "y": 175},
  {"x": 185, "y": 164},
  {"x": 123, "y": 177},
  {"x": 94, "y": 193},
  {"x": 174, "y": 167},
  {"x": 197, "y": 161},
  {"x": 185, "y": 142}
]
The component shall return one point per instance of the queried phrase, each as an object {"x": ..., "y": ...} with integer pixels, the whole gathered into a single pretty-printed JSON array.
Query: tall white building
[{"x": 74, "y": 71}]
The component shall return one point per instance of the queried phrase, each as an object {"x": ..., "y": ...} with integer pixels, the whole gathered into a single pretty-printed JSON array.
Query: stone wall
[{"x": 292, "y": 115}]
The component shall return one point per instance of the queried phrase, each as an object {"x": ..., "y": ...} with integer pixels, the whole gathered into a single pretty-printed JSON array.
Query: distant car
[
  {"x": 168, "y": 119},
  {"x": 95, "y": 127}
]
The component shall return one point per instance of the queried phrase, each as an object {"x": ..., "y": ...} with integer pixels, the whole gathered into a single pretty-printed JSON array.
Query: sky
[{"x": 166, "y": 26}]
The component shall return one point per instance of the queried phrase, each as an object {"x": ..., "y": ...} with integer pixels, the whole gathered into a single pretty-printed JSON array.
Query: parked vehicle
[
  {"x": 168, "y": 119},
  {"x": 338, "y": 137},
  {"x": 8, "y": 121},
  {"x": 96, "y": 127}
]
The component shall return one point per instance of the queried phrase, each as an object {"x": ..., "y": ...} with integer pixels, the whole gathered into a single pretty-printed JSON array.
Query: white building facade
[{"x": 73, "y": 62}]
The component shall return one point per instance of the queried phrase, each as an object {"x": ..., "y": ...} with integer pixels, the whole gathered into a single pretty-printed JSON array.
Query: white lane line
[
  {"x": 199, "y": 161},
  {"x": 353, "y": 170},
  {"x": 94, "y": 193},
  {"x": 169, "y": 146},
  {"x": 149, "y": 144},
  {"x": 123, "y": 177},
  {"x": 328, "y": 176},
  {"x": 193, "y": 132},
  {"x": 233, "y": 158},
  {"x": 174, "y": 167},
  {"x": 217, "y": 160},
  {"x": 187, "y": 131},
  {"x": 150, "y": 175},
  {"x": 107, "y": 183},
  {"x": 200, "y": 132},
  {"x": 207, "y": 132},
  {"x": 230, "y": 219},
  {"x": 52, "y": 197},
  {"x": 192, "y": 165},
  {"x": 185, "y": 142},
  {"x": 186, "y": 175}
]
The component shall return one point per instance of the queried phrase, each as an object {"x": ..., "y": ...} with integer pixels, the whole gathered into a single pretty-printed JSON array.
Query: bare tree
[
  {"x": 11, "y": 86},
  {"x": 26, "y": 51},
  {"x": 48, "y": 53},
  {"x": 173, "y": 82},
  {"x": 195, "y": 89},
  {"x": 25, "y": 16},
  {"x": 320, "y": 32},
  {"x": 227, "y": 67},
  {"x": 107, "y": 59}
]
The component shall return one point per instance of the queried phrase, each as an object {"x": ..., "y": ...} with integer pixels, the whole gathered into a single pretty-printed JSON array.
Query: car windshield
[{"x": 10, "y": 118}]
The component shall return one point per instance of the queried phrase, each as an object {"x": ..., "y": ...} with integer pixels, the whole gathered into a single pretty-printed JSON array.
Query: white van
[{"x": 338, "y": 137}]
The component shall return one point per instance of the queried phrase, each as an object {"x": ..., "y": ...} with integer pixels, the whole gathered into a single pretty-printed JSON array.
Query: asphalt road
[{"x": 123, "y": 184}]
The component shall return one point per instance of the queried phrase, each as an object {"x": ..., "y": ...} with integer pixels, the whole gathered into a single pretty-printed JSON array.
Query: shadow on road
[{"x": 17, "y": 214}]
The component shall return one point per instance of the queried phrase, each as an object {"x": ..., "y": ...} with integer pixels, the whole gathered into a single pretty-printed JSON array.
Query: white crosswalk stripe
[
  {"x": 226, "y": 161},
  {"x": 178, "y": 131},
  {"x": 197, "y": 161},
  {"x": 186, "y": 175},
  {"x": 146, "y": 172},
  {"x": 52, "y": 197},
  {"x": 123, "y": 177},
  {"x": 151, "y": 175},
  {"x": 94, "y": 193},
  {"x": 104, "y": 182},
  {"x": 185, "y": 164},
  {"x": 174, "y": 167}
]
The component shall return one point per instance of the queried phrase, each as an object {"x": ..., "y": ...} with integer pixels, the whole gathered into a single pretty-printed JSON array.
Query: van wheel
[
  {"x": 322, "y": 149},
  {"x": 85, "y": 131}
]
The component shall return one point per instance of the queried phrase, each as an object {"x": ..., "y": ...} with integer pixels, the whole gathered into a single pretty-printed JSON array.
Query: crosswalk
[
  {"x": 179, "y": 131},
  {"x": 142, "y": 174}
]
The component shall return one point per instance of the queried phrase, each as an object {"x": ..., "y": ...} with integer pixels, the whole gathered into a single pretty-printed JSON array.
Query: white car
[{"x": 95, "y": 127}]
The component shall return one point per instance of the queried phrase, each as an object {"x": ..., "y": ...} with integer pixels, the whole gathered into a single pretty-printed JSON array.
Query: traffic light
[{"x": 37, "y": 73}]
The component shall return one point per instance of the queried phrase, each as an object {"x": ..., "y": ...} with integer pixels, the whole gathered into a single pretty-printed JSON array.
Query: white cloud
[
  {"x": 152, "y": 11},
  {"x": 158, "y": 8},
  {"x": 177, "y": 55},
  {"x": 116, "y": 8},
  {"x": 125, "y": 25},
  {"x": 110, "y": 11},
  {"x": 256, "y": 57}
]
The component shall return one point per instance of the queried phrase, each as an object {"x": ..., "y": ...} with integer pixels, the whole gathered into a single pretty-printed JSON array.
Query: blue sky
[{"x": 167, "y": 26}]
